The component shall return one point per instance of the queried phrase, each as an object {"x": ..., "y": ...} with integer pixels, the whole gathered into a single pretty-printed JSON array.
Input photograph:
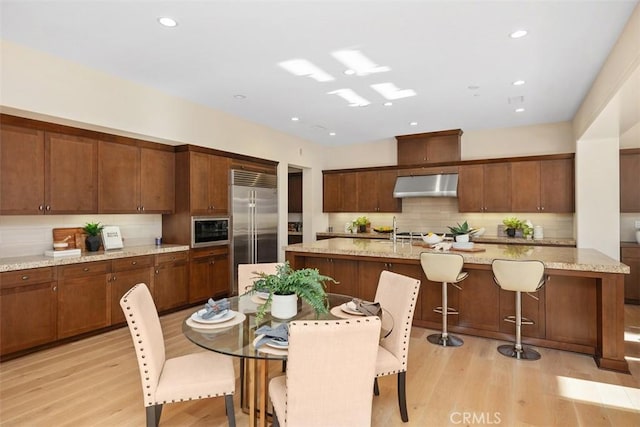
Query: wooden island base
[{"x": 579, "y": 311}]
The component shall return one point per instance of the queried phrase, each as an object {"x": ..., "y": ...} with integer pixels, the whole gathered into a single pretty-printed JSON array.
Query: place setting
[
  {"x": 355, "y": 308},
  {"x": 215, "y": 315},
  {"x": 272, "y": 340}
]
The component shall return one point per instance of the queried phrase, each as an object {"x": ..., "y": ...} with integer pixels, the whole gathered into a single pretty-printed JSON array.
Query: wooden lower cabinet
[
  {"x": 126, "y": 273},
  {"x": 83, "y": 298},
  {"x": 631, "y": 257},
  {"x": 28, "y": 305},
  {"x": 343, "y": 271},
  {"x": 171, "y": 280},
  {"x": 209, "y": 273}
]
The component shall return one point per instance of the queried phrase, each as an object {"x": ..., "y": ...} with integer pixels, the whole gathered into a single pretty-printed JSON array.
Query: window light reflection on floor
[{"x": 599, "y": 393}]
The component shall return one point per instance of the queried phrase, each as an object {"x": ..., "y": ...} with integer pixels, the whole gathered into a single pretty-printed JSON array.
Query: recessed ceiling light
[
  {"x": 517, "y": 34},
  {"x": 295, "y": 119},
  {"x": 413, "y": 124},
  {"x": 473, "y": 87},
  {"x": 167, "y": 22},
  {"x": 332, "y": 134},
  {"x": 349, "y": 72},
  {"x": 519, "y": 110},
  {"x": 518, "y": 83},
  {"x": 239, "y": 96},
  {"x": 388, "y": 104}
]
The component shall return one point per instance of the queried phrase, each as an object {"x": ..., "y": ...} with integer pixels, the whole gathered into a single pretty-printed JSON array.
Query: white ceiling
[{"x": 438, "y": 48}]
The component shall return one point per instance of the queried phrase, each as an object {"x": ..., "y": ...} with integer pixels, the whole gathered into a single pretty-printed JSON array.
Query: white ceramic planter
[
  {"x": 462, "y": 238},
  {"x": 284, "y": 306}
]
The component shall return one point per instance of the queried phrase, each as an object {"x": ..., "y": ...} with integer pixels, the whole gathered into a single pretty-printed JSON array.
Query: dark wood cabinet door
[
  {"x": 367, "y": 193},
  {"x": 443, "y": 149},
  {"x": 332, "y": 192},
  {"x": 22, "y": 180},
  {"x": 346, "y": 273},
  {"x": 557, "y": 186},
  {"x": 200, "y": 286},
  {"x": 497, "y": 187},
  {"x": 629, "y": 181},
  {"x": 71, "y": 174},
  {"x": 220, "y": 285},
  {"x": 199, "y": 183},
  {"x": 171, "y": 285},
  {"x": 368, "y": 277},
  {"x": 157, "y": 181},
  {"x": 219, "y": 184},
  {"x": 385, "y": 185},
  {"x": 478, "y": 301},
  {"x": 82, "y": 304},
  {"x": 525, "y": 186},
  {"x": 119, "y": 283},
  {"x": 28, "y": 316},
  {"x": 350, "y": 189},
  {"x": 119, "y": 178},
  {"x": 470, "y": 188},
  {"x": 631, "y": 257},
  {"x": 412, "y": 151},
  {"x": 295, "y": 192}
]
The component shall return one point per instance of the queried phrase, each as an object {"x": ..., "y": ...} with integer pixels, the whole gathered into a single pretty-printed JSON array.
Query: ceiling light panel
[
  {"x": 351, "y": 97},
  {"x": 391, "y": 91},
  {"x": 302, "y": 67},
  {"x": 167, "y": 22},
  {"x": 357, "y": 63}
]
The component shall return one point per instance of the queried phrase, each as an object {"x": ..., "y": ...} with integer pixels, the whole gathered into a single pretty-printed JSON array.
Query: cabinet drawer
[
  {"x": 132, "y": 263},
  {"x": 31, "y": 276},
  {"x": 85, "y": 269},
  {"x": 171, "y": 257},
  {"x": 631, "y": 252},
  {"x": 207, "y": 252}
]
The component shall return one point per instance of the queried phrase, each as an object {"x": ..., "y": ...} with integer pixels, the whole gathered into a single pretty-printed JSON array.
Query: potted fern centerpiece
[{"x": 286, "y": 286}]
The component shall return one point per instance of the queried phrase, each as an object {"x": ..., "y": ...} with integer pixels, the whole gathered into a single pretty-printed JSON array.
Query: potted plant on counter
[
  {"x": 512, "y": 224},
  {"x": 286, "y": 286},
  {"x": 362, "y": 223},
  {"x": 461, "y": 232},
  {"x": 92, "y": 241}
]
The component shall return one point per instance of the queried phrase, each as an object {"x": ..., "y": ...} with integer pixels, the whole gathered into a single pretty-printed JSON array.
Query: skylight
[
  {"x": 391, "y": 91},
  {"x": 302, "y": 67},
  {"x": 357, "y": 63},
  {"x": 351, "y": 97}
]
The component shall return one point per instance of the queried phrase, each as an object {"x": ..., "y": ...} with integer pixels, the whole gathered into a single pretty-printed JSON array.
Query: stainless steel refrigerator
[{"x": 254, "y": 204}]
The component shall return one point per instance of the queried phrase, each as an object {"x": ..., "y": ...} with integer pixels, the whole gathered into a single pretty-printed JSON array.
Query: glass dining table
[{"x": 236, "y": 336}]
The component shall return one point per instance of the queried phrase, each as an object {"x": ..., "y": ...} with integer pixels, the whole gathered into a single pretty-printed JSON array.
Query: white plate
[
  {"x": 350, "y": 308},
  {"x": 263, "y": 295},
  {"x": 277, "y": 344},
  {"x": 223, "y": 318}
]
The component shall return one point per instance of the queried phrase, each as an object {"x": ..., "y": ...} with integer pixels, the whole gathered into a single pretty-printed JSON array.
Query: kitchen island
[{"x": 580, "y": 308}]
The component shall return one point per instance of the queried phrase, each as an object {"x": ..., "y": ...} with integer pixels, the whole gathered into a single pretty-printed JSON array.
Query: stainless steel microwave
[{"x": 209, "y": 231}]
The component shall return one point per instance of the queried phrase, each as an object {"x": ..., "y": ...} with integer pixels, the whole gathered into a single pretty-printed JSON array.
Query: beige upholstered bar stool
[
  {"x": 445, "y": 268},
  {"x": 518, "y": 276}
]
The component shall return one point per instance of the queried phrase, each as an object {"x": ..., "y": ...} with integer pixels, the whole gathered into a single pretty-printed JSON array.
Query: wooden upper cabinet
[
  {"x": 375, "y": 191},
  {"x": 21, "y": 171},
  {"x": 209, "y": 183},
  {"x": 629, "y": 180},
  {"x": 135, "y": 179},
  {"x": 46, "y": 172},
  {"x": 428, "y": 148},
  {"x": 157, "y": 180},
  {"x": 119, "y": 171},
  {"x": 340, "y": 192},
  {"x": 295, "y": 192},
  {"x": 71, "y": 174},
  {"x": 484, "y": 188},
  {"x": 543, "y": 186}
]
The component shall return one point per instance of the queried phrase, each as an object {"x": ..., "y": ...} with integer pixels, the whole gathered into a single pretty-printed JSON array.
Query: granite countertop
[
  {"x": 482, "y": 239},
  {"x": 560, "y": 258},
  {"x": 37, "y": 261}
]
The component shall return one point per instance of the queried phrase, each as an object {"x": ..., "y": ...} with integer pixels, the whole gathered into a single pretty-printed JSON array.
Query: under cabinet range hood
[{"x": 441, "y": 185}]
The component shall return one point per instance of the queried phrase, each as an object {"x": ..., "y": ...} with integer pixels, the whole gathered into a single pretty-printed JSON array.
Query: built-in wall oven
[{"x": 209, "y": 231}]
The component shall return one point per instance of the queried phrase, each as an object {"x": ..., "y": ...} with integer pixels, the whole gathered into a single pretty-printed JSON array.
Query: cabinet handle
[
  {"x": 25, "y": 277},
  {"x": 48, "y": 208},
  {"x": 41, "y": 208},
  {"x": 134, "y": 262},
  {"x": 54, "y": 289},
  {"x": 85, "y": 269},
  {"x": 157, "y": 271},
  {"x": 114, "y": 277},
  {"x": 143, "y": 209},
  {"x": 542, "y": 208}
]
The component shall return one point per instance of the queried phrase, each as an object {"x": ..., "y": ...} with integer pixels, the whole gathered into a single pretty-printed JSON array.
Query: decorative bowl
[
  {"x": 59, "y": 246},
  {"x": 432, "y": 239}
]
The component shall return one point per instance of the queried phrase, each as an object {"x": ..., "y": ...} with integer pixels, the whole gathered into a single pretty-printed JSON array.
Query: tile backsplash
[
  {"x": 434, "y": 214},
  {"x": 26, "y": 235}
]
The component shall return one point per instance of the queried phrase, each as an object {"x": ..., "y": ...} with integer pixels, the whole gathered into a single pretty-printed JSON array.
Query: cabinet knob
[
  {"x": 54, "y": 289},
  {"x": 48, "y": 208},
  {"x": 142, "y": 208},
  {"x": 134, "y": 262},
  {"x": 85, "y": 269},
  {"x": 25, "y": 277},
  {"x": 114, "y": 277},
  {"x": 542, "y": 208},
  {"x": 157, "y": 271},
  {"x": 41, "y": 208}
]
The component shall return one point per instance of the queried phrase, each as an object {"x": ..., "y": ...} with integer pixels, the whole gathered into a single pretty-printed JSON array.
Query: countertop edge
[{"x": 37, "y": 261}]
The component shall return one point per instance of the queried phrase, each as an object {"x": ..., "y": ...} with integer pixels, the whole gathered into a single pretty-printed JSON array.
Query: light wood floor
[{"x": 95, "y": 382}]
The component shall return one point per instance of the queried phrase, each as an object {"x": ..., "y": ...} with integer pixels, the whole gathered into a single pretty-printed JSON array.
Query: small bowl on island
[{"x": 432, "y": 238}]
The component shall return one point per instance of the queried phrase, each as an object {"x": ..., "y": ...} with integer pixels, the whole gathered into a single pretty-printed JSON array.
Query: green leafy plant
[
  {"x": 307, "y": 283},
  {"x": 92, "y": 228},
  {"x": 361, "y": 220},
  {"x": 458, "y": 229},
  {"x": 512, "y": 222}
]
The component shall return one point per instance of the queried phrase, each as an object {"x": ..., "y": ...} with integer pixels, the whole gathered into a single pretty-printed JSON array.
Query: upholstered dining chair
[
  {"x": 193, "y": 376},
  {"x": 329, "y": 375},
  {"x": 398, "y": 295}
]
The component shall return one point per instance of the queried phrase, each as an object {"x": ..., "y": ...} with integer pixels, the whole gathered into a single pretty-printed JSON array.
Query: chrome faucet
[{"x": 394, "y": 235}]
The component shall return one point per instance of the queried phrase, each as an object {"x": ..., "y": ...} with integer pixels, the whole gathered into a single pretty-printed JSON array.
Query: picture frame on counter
[{"x": 111, "y": 237}]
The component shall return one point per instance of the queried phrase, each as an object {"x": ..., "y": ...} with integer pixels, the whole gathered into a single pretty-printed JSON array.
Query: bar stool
[
  {"x": 518, "y": 276},
  {"x": 445, "y": 268}
]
